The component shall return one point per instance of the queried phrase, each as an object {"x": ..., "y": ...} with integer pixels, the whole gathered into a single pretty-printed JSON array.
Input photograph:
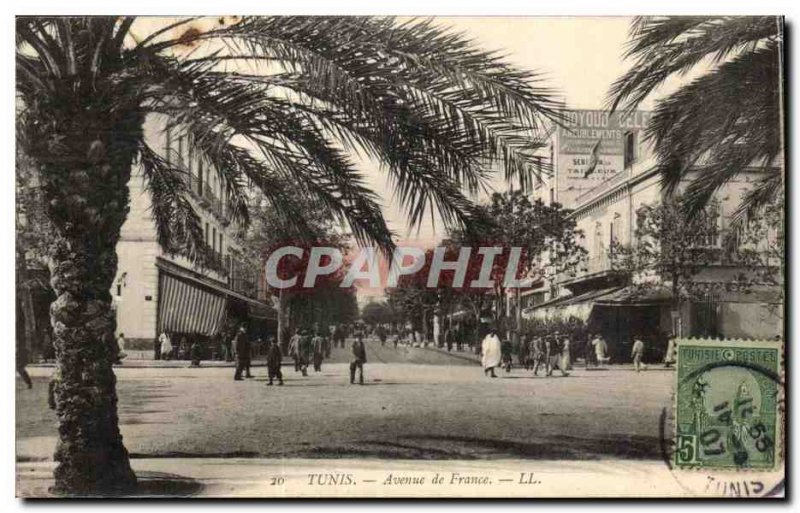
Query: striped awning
[{"x": 186, "y": 308}]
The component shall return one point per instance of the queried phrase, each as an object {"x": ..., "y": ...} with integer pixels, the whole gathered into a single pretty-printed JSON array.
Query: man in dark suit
[
  {"x": 241, "y": 346},
  {"x": 274, "y": 358},
  {"x": 359, "y": 359}
]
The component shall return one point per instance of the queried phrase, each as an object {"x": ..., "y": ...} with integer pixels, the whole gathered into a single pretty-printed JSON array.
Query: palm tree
[
  {"x": 267, "y": 102},
  {"x": 726, "y": 120}
]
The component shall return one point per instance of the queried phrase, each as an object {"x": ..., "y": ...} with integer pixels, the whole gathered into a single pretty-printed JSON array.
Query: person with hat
[
  {"x": 359, "y": 359},
  {"x": 555, "y": 352},
  {"x": 274, "y": 358},
  {"x": 241, "y": 348}
]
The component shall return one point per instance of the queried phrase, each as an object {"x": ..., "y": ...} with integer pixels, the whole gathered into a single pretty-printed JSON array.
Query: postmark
[{"x": 727, "y": 413}]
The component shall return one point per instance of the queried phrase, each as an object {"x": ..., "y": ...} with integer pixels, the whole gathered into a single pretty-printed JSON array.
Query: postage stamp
[{"x": 728, "y": 414}]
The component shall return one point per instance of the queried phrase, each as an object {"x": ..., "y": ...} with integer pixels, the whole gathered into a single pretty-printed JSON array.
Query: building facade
[
  {"x": 605, "y": 208},
  {"x": 156, "y": 292}
]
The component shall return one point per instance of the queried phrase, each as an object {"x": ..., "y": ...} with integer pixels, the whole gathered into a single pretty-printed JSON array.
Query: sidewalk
[{"x": 468, "y": 355}]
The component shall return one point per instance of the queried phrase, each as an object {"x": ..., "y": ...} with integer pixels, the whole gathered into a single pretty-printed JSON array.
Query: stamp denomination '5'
[{"x": 727, "y": 414}]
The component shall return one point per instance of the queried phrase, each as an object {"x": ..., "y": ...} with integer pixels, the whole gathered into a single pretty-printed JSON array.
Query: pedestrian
[
  {"x": 183, "y": 349},
  {"x": 566, "y": 359},
  {"x": 156, "y": 349},
  {"x": 490, "y": 352},
  {"x": 359, "y": 359},
  {"x": 600, "y": 350},
  {"x": 588, "y": 352},
  {"x": 524, "y": 355},
  {"x": 326, "y": 340},
  {"x": 459, "y": 338},
  {"x": 318, "y": 350},
  {"x": 381, "y": 335},
  {"x": 672, "y": 349},
  {"x": 166, "y": 346},
  {"x": 274, "y": 358},
  {"x": 241, "y": 349},
  {"x": 194, "y": 354},
  {"x": 507, "y": 348},
  {"x": 448, "y": 339},
  {"x": 121, "y": 348},
  {"x": 294, "y": 349},
  {"x": 637, "y": 352},
  {"x": 22, "y": 361},
  {"x": 539, "y": 349},
  {"x": 304, "y": 351},
  {"x": 555, "y": 358}
]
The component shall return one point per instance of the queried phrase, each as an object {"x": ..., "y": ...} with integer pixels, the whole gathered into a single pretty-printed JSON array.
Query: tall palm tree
[
  {"x": 266, "y": 101},
  {"x": 726, "y": 120}
]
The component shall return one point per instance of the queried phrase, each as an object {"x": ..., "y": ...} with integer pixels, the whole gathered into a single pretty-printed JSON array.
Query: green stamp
[{"x": 727, "y": 413}]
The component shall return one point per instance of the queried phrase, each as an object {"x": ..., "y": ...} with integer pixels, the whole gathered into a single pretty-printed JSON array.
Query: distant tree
[
  {"x": 377, "y": 313},
  {"x": 547, "y": 235},
  {"x": 726, "y": 120},
  {"x": 672, "y": 247}
]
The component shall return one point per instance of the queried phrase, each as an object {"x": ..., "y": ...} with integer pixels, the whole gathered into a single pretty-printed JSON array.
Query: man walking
[
  {"x": 304, "y": 351},
  {"x": 241, "y": 348},
  {"x": 525, "y": 353},
  {"x": 294, "y": 349},
  {"x": 359, "y": 359},
  {"x": 274, "y": 358},
  {"x": 539, "y": 355},
  {"x": 318, "y": 349},
  {"x": 555, "y": 356},
  {"x": 637, "y": 352}
]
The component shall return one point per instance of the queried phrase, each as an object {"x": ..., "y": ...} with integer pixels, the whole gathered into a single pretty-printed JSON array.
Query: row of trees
[{"x": 549, "y": 243}]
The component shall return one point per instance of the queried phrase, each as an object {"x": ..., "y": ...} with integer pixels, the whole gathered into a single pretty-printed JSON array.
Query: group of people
[
  {"x": 552, "y": 351},
  {"x": 549, "y": 353}
]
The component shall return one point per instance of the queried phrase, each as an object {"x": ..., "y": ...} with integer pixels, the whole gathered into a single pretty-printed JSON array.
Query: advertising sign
[{"x": 591, "y": 149}]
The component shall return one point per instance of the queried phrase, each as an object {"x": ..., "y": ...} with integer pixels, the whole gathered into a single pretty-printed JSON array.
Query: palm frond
[{"x": 178, "y": 227}]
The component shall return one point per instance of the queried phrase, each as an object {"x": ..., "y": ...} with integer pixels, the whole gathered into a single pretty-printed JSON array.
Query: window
[
  {"x": 630, "y": 147},
  {"x": 180, "y": 149},
  {"x": 220, "y": 243},
  {"x": 552, "y": 195},
  {"x": 168, "y": 146},
  {"x": 206, "y": 234},
  {"x": 214, "y": 240}
]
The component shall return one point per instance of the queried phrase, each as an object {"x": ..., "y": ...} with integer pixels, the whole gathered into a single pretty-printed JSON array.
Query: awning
[
  {"x": 184, "y": 307},
  {"x": 261, "y": 311},
  {"x": 592, "y": 295},
  {"x": 638, "y": 295}
]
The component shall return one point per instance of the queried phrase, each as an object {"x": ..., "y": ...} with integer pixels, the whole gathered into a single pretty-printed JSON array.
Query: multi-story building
[
  {"x": 157, "y": 292},
  {"x": 605, "y": 209}
]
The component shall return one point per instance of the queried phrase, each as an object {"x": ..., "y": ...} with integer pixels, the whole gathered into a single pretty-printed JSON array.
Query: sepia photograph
[{"x": 341, "y": 257}]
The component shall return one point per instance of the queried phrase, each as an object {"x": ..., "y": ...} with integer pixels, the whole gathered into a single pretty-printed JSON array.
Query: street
[{"x": 416, "y": 404}]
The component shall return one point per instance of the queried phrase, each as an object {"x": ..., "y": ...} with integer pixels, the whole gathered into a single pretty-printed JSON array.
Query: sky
[{"x": 578, "y": 57}]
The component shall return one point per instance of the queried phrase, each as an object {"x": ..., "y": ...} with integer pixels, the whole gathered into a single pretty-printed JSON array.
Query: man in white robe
[{"x": 490, "y": 352}]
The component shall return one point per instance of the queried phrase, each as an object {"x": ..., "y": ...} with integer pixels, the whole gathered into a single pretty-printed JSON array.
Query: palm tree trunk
[
  {"x": 87, "y": 202},
  {"x": 90, "y": 455}
]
